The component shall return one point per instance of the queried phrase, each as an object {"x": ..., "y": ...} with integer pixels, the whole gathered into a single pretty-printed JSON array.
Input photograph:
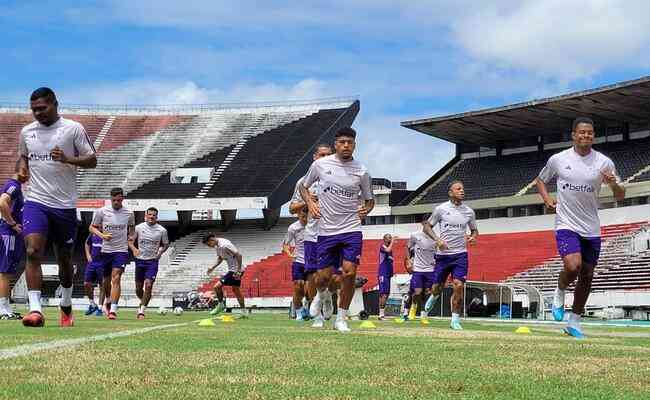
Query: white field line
[{"x": 27, "y": 349}]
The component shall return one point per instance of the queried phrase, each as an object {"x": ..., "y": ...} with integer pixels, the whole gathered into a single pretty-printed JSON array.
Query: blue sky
[{"x": 405, "y": 59}]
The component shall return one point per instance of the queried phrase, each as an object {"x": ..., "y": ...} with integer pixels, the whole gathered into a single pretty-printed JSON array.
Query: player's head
[
  {"x": 387, "y": 239},
  {"x": 44, "y": 106},
  {"x": 345, "y": 142},
  {"x": 151, "y": 215},
  {"x": 583, "y": 132},
  {"x": 456, "y": 191},
  {"x": 21, "y": 172},
  {"x": 302, "y": 215},
  {"x": 117, "y": 197},
  {"x": 210, "y": 240},
  {"x": 322, "y": 150}
]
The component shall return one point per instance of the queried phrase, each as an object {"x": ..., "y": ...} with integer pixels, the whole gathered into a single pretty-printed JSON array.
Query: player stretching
[
  {"x": 94, "y": 273},
  {"x": 344, "y": 199},
  {"x": 385, "y": 272},
  {"x": 12, "y": 246},
  {"x": 152, "y": 241},
  {"x": 226, "y": 251},
  {"x": 295, "y": 237},
  {"x": 422, "y": 251},
  {"x": 52, "y": 148},
  {"x": 114, "y": 224},
  {"x": 453, "y": 219},
  {"x": 580, "y": 171},
  {"x": 311, "y": 237}
]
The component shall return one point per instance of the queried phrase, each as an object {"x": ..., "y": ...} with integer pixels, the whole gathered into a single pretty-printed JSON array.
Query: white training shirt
[
  {"x": 296, "y": 236},
  {"x": 53, "y": 183},
  {"x": 578, "y": 184},
  {"x": 343, "y": 188},
  {"x": 424, "y": 251},
  {"x": 226, "y": 250},
  {"x": 150, "y": 239},
  {"x": 115, "y": 222},
  {"x": 311, "y": 229},
  {"x": 453, "y": 222}
]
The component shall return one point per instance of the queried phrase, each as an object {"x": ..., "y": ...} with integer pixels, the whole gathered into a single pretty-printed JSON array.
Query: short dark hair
[
  {"x": 43, "y": 93},
  {"x": 116, "y": 191},
  {"x": 455, "y": 181},
  {"x": 347, "y": 132},
  {"x": 152, "y": 209},
  {"x": 207, "y": 237},
  {"x": 321, "y": 145},
  {"x": 582, "y": 120}
]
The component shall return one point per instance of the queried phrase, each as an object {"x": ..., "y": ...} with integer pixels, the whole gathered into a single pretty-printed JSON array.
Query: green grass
[{"x": 268, "y": 356}]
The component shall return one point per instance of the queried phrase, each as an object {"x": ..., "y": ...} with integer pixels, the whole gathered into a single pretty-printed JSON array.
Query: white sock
[
  {"x": 406, "y": 312},
  {"x": 423, "y": 314},
  {"x": 141, "y": 309},
  {"x": 4, "y": 305},
  {"x": 92, "y": 302},
  {"x": 320, "y": 294},
  {"x": 382, "y": 313},
  {"x": 455, "y": 317},
  {"x": 558, "y": 298},
  {"x": 574, "y": 320},
  {"x": 66, "y": 296},
  {"x": 114, "y": 307},
  {"x": 342, "y": 314},
  {"x": 327, "y": 295},
  {"x": 34, "y": 300}
]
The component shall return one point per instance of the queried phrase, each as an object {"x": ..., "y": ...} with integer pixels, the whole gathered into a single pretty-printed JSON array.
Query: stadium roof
[{"x": 611, "y": 105}]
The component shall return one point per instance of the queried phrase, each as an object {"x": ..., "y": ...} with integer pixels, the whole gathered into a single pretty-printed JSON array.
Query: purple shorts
[
  {"x": 230, "y": 280},
  {"x": 146, "y": 269},
  {"x": 57, "y": 223},
  {"x": 454, "y": 264},
  {"x": 297, "y": 271},
  {"x": 422, "y": 280},
  {"x": 113, "y": 260},
  {"x": 12, "y": 248},
  {"x": 94, "y": 272},
  {"x": 384, "y": 284},
  {"x": 569, "y": 242},
  {"x": 311, "y": 257},
  {"x": 333, "y": 249}
]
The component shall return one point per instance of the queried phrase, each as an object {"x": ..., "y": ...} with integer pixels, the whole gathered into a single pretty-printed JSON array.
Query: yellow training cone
[
  {"x": 227, "y": 318},
  {"x": 523, "y": 329},
  {"x": 398, "y": 320},
  {"x": 206, "y": 322},
  {"x": 367, "y": 324}
]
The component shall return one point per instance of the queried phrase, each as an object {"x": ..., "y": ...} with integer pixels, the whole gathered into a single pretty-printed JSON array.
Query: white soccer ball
[
  {"x": 162, "y": 311},
  {"x": 178, "y": 311}
]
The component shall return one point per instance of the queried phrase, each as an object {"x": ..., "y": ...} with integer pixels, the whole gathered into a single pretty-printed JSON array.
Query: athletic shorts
[
  {"x": 230, "y": 280},
  {"x": 94, "y": 272},
  {"x": 384, "y": 284},
  {"x": 113, "y": 260},
  {"x": 56, "y": 223},
  {"x": 146, "y": 269},
  {"x": 297, "y": 271},
  {"x": 422, "y": 280},
  {"x": 569, "y": 242},
  {"x": 12, "y": 249},
  {"x": 311, "y": 257},
  {"x": 454, "y": 264},
  {"x": 335, "y": 248}
]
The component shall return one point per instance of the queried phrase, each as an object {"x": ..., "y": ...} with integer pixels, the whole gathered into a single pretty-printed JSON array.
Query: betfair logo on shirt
[
  {"x": 454, "y": 226},
  {"x": 40, "y": 157},
  {"x": 339, "y": 192},
  {"x": 114, "y": 227},
  {"x": 578, "y": 188}
]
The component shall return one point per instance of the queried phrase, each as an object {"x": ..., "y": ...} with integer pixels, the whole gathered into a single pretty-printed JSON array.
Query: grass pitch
[{"x": 269, "y": 356}]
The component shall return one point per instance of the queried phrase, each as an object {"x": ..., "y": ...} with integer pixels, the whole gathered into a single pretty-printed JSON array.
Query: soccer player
[
  {"x": 345, "y": 198},
  {"x": 453, "y": 218},
  {"x": 226, "y": 251},
  {"x": 295, "y": 237},
  {"x": 310, "y": 239},
  {"x": 114, "y": 224},
  {"x": 422, "y": 251},
  {"x": 580, "y": 171},
  {"x": 51, "y": 148},
  {"x": 152, "y": 241},
  {"x": 11, "y": 240},
  {"x": 94, "y": 274},
  {"x": 385, "y": 272}
]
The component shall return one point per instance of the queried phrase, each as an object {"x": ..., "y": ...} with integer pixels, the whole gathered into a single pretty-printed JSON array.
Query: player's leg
[
  {"x": 298, "y": 294},
  {"x": 590, "y": 252},
  {"x": 106, "y": 289},
  {"x": 457, "y": 303},
  {"x": 10, "y": 248},
  {"x": 240, "y": 297},
  {"x": 218, "y": 294},
  {"x": 384, "y": 291},
  {"x": 146, "y": 295},
  {"x": 140, "y": 270},
  {"x": 35, "y": 246},
  {"x": 568, "y": 245},
  {"x": 91, "y": 276},
  {"x": 116, "y": 290}
]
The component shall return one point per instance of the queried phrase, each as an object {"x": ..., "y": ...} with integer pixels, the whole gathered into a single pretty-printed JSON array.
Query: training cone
[
  {"x": 367, "y": 324},
  {"x": 523, "y": 329},
  {"x": 227, "y": 318},
  {"x": 398, "y": 320},
  {"x": 206, "y": 322}
]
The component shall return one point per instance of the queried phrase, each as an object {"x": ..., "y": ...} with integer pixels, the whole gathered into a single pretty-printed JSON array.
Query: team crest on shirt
[{"x": 568, "y": 167}]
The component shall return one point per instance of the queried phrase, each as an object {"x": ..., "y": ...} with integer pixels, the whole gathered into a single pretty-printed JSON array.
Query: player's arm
[
  {"x": 87, "y": 245},
  {"x": 96, "y": 226},
  {"x": 367, "y": 195},
  {"x": 5, "y": 211},
  {"x": 219, "y": 261},
  {"x": 310, "y": 178},
  {"x": 132, "y": 240},
  {"x": 162, "y": 249},
  {"x": 297, "y": 203},
  {"x": 286, "y": 245},
  {"x": 408, "y": 261},
  {"x": 614, "y": 182},
  {"x": 473, "y": 229},
  {"x": 547, "y": 173}
]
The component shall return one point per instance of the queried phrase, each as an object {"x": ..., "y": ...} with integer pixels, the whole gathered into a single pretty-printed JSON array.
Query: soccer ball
[
  {"x": 178, "y": 311},
  {"x": 162, "y": 311}
]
